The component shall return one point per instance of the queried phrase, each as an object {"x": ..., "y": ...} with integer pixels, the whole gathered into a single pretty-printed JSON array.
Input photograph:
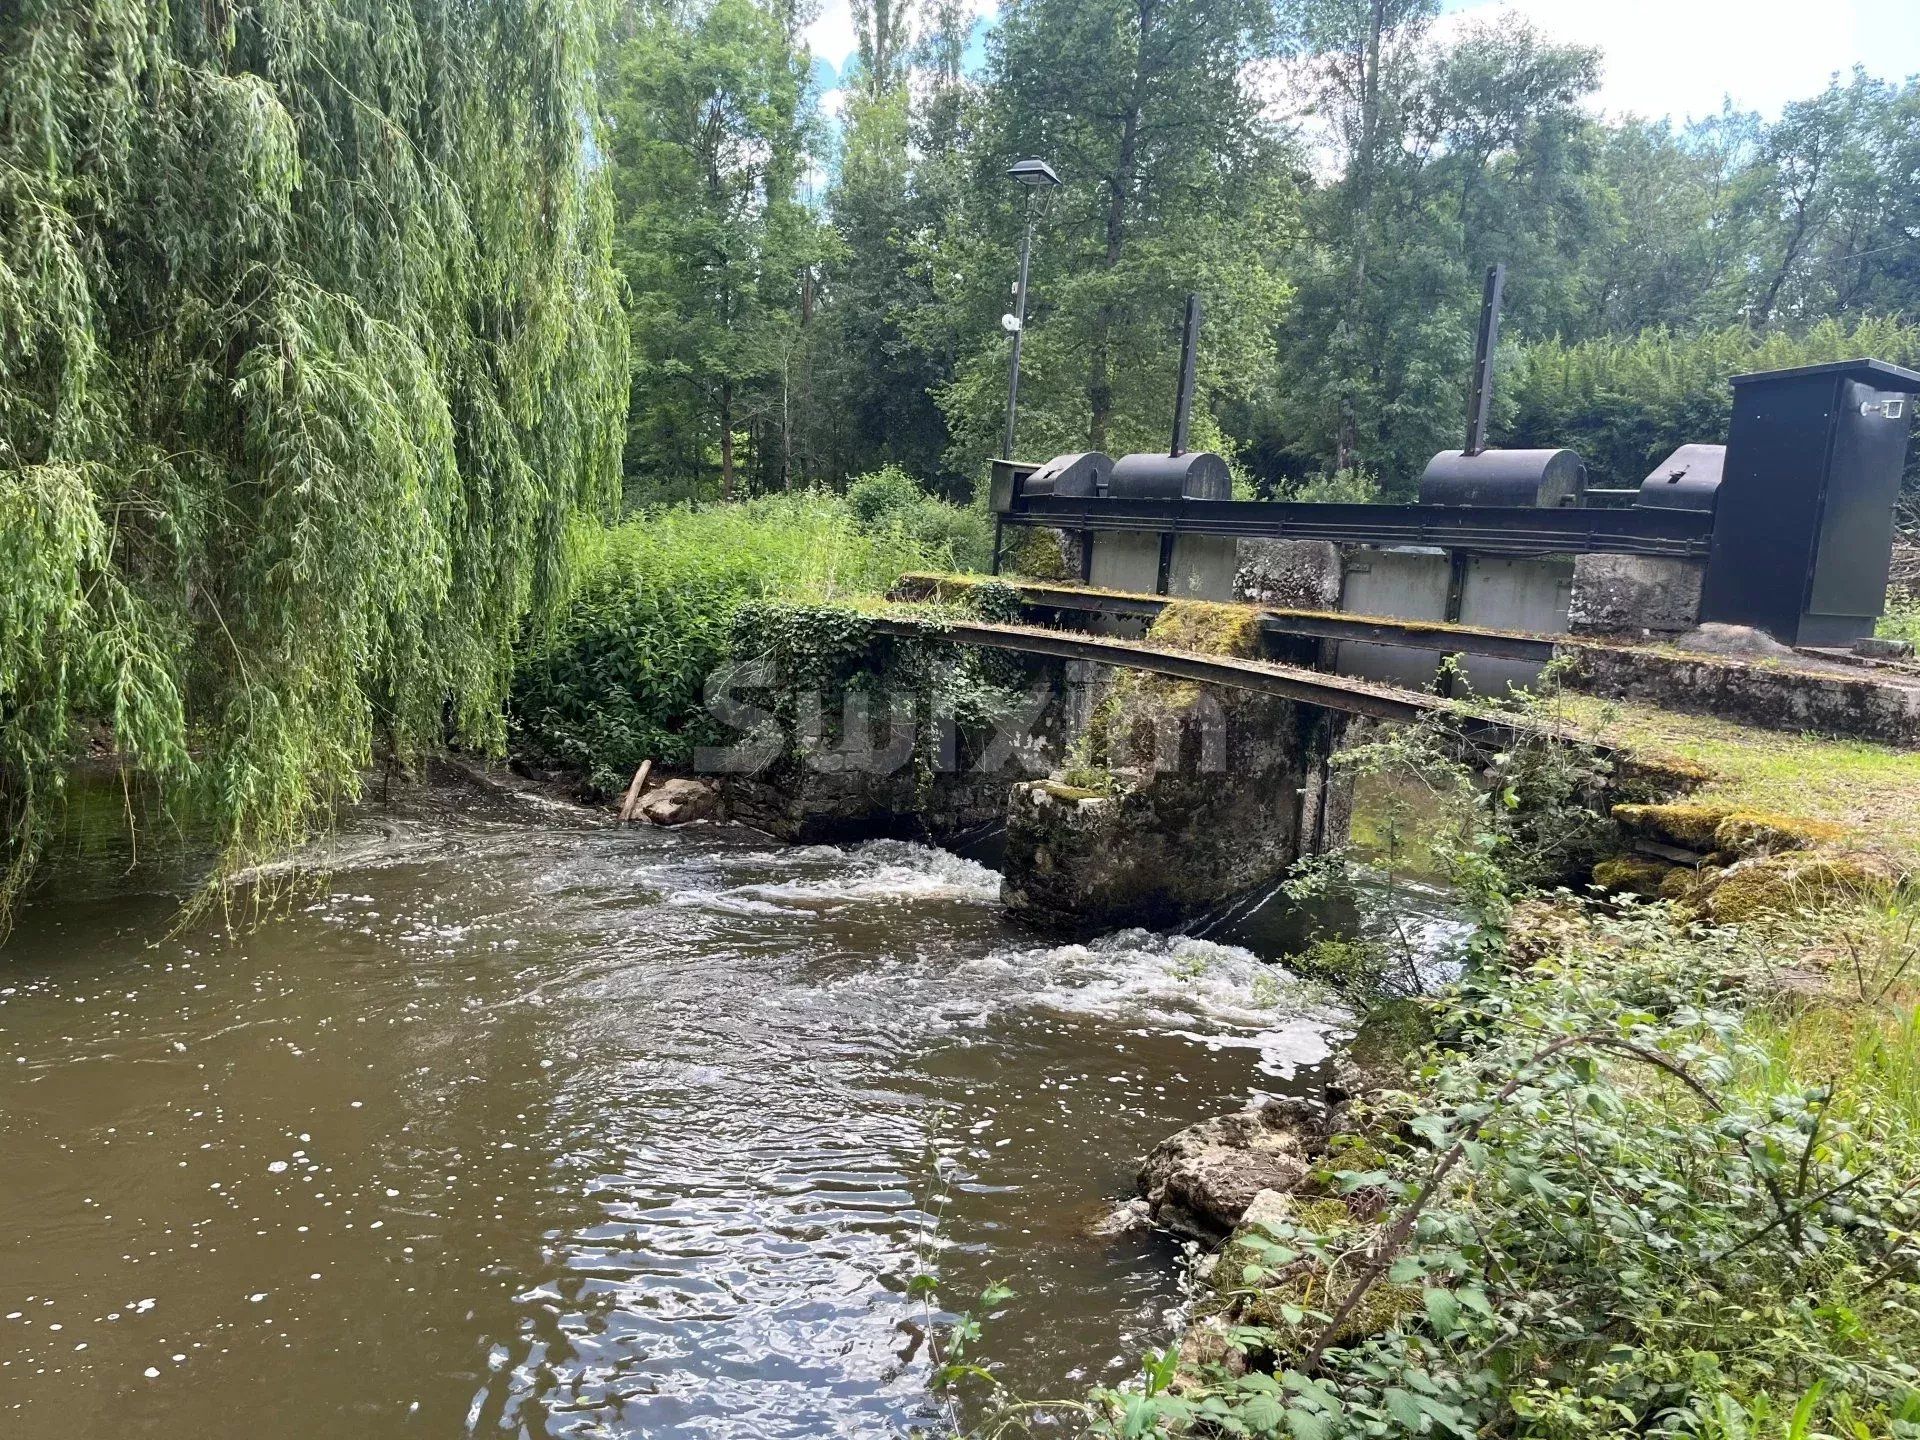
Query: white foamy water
[
  {"x": 1219, "y": 995},
  {"x": 880, "y": 870}
]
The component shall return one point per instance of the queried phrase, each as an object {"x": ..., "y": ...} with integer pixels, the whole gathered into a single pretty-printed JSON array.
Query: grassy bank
[{"x": 618, "y": 678}]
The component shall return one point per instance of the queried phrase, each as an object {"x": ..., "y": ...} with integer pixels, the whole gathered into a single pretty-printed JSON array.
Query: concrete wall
[
  {"x": 1531, "y": 593},
  {"x": 1202, "y": 566},
  {"x": 1403, "y": 585},
  {"x": 1125, "y": 560},
  {"x": 1635, "y": 595}
]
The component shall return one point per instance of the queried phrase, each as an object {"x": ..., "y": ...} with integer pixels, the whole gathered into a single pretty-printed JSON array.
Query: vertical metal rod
[
  {"x": 1019, "y": 328},
  {"x": 999, "y": 535},
  {"x": 1165, "y": 575},
  {"x": 1480, "y": 397},
  {"x": 1183, "y": 397}
]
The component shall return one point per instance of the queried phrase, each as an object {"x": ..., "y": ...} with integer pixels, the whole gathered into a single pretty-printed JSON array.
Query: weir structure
[{"x": 1195, "y": 762}]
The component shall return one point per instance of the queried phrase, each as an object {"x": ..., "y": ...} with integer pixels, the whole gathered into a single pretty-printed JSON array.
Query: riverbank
[{"x": 1636, "y": 1172}]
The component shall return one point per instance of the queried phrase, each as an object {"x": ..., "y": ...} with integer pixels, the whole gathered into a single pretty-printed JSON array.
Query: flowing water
[{"x": 509, "y": 1129}]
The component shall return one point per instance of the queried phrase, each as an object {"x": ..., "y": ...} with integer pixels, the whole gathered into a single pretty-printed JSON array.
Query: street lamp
[{"x": 1037, "y": 176}]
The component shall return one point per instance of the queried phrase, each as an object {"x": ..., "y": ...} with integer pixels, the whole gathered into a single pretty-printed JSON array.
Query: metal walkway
[
  {"x": 1342, "y": 693},
  {"x": 1436, "y": 636}
]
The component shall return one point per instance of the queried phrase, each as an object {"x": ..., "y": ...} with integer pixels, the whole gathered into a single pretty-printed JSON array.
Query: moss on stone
[
  {"x": 1244, "y": 1264},
  {"x": 1062, "y": 790},
  {"x": 1033, "y": 551},
  {"x": 1393, "y": 1032},
  {"x": 1797, "y": 882},
  {"x": 1632, "y": 875},
  {"x": 1688, "y": 825},
  {"x": 1207, "y": 627},
  {"x": 1687, "y": 886},
  {"x": 1379, "y": 1310},
  {"x": 1869, "y": 792},
  {"x": 1756, "y": 832}
]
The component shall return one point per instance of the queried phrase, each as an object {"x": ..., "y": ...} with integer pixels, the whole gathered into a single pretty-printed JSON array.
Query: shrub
[
  {"x": 1625, "y": 1207},
  {"x": 890, "y": 500},
  {"x": 876, "y": 496},
  {"x": 619, "y": 677}
]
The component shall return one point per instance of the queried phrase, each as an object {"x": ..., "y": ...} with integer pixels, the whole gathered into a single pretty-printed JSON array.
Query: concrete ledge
[{"x": 1772, "y": 696}]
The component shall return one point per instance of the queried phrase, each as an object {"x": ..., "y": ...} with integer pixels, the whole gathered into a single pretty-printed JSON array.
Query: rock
[
  {"x": 1797, "y": 882},
  {"x": 1260, "y": 1290},
  {"x": 675, "y": 802},
  {"x": 1200, "y": 1181},
  {"x": 1207, "y": 1349},
  {"x": 1743, "y": 642},
  {"x": 1382, "y": 1050},
  {"x": 1642, "y": 875},
  {"x": 1883, "y": 647},
  {"x": 1124, "y": 1219}
]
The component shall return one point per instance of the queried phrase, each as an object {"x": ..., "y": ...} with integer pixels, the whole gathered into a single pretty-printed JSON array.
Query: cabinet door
[{"x": 1863, "y": 485}]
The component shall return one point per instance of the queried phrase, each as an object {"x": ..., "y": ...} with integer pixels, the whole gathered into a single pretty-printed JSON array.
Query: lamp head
[{"x": 1034, "y": 173}]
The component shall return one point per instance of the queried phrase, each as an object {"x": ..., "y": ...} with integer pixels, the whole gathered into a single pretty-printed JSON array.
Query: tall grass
[{"x": 618, "y": 678}]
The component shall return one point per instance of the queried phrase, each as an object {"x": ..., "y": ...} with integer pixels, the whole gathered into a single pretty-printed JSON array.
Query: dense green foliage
[
  {"x": 1622, "y": 402},
  {"x": 620, "y": 677},
  {"x": 1331, "y": 176},
  {"x": 1667, "y": 1217},
  {"x": 309, "y": 346},
  {"x": 707, "y": 139}
]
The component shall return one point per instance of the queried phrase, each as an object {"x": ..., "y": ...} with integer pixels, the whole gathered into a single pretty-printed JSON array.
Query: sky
[{"x": 1675, "y": 58}]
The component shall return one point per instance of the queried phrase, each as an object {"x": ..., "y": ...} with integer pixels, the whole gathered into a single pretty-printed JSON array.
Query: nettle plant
[{"x": 1608, "y": 1212}]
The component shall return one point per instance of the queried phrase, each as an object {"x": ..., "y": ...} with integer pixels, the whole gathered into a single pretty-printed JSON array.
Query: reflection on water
[{"x": 538, "y": 1131}]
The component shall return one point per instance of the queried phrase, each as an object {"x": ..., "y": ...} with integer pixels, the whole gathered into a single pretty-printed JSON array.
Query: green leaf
[
  {"x": 1443, "y": 1311},
  {"x": 1403, "y": 1407}
]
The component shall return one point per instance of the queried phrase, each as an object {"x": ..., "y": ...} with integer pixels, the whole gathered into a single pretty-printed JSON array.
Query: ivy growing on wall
[{"x": 309, "y": 345}]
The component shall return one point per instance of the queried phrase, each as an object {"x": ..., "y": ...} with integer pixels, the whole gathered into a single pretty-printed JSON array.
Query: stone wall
[
  {"x": 954, "y": 780},
  {"x": 1288, "y": 574},
  {"x": 1635, "y": 595},
  {"x": 1229, "y": 797}
]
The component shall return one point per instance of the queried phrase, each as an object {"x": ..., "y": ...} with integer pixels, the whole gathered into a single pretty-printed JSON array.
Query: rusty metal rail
[
  {"x": 1264, "y": 677},
  {"x": 1286, "y": 624}
]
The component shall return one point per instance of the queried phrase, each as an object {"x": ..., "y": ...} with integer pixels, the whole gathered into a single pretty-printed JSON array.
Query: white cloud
[
  {"x": 1681, "y": 57},
  {"x": 831, "y": 36}
]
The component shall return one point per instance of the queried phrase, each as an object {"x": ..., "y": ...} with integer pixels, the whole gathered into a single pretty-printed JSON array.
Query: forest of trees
[{"x": 813, "y": 295}]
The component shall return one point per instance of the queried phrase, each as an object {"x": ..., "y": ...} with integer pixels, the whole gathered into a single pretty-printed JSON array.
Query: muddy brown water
[{"x": 510, "y": 1129}]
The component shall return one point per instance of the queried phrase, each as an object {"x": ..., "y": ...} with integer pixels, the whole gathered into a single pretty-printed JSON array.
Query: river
[{"x": 529, "y": 1129}]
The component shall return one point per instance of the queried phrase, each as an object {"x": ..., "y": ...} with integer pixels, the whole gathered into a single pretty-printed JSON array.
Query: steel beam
[
  {"x": 1263, "y": 677},
  {"x": 1483, "y": 529},
  {"x": 1291, "y": 624}
]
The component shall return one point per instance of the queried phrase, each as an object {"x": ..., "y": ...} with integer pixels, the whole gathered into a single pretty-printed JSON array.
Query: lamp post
[{"x": 1037, "y": 176}]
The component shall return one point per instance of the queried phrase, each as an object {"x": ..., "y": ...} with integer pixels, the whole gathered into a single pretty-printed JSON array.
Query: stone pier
[{"x": 1177, "y": 796}]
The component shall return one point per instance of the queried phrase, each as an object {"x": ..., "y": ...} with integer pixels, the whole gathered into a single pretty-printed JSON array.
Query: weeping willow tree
[{"x": 309, "y": 346}]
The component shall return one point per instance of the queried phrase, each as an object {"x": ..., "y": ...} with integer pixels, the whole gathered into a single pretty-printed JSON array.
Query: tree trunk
[
  {"x": 1347, "y": 437},
  {"x": 726, "y": 439}
]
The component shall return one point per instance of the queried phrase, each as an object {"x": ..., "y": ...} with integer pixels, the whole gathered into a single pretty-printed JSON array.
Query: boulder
[
  {"x": 1200, "y": 1181},
  {"x": 675, "y": 802}
]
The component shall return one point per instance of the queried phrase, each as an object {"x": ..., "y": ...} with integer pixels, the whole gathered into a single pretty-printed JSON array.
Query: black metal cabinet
[{"x": 1803, "y": 531}]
